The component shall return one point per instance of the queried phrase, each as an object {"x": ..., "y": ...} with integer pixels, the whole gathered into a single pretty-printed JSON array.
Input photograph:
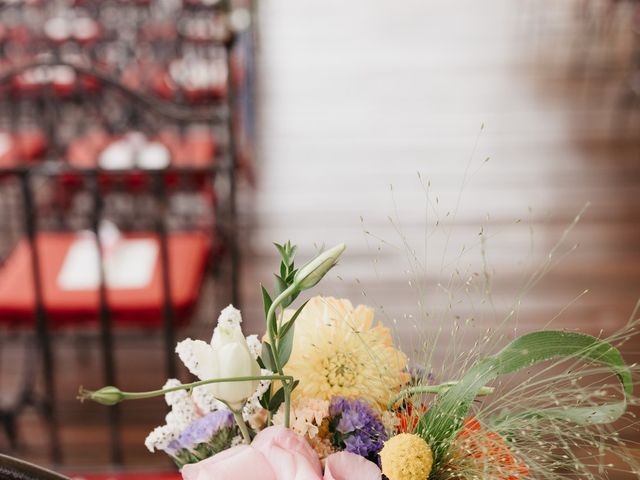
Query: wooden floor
[{"x": 450, "y": 144}]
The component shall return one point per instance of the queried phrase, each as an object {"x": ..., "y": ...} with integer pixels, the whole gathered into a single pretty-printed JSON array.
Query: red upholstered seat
[{"x": 188, "y": 253}]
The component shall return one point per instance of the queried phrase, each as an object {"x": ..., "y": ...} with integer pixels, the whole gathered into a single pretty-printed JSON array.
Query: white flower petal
[
  {"x": 236, "y": 362},
  {"x": 254, "y": 414},
  {"x": 237, "y": 440},
  {"x": 174, "y": 397},
  {"x": 182, "y": 414},
  {"x": 230, "y": 316},
  {"x": 206, "y": 401},
  {"x": 255, "y": 346},
  {"x": 199, "y": 358},
  {"x": 226, "y": 334},
  {"x": 160, "y": 438},
  {"x": 263, "y": 385}
]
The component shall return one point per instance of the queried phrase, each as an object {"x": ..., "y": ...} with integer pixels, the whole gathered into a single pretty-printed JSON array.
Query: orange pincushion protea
[
  {"x": 475, "y": 445},
  {"x": 409, "y": 416},
  {"x": 475, "y": 449}
]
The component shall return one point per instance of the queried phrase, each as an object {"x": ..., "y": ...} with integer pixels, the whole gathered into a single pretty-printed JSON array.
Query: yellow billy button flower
[{"x": 406, "y": 457}]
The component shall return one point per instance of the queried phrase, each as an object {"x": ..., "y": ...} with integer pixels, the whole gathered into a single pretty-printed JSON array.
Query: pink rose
[
  {"x": 278, "y": 453},
  {"x": 241, "y": 462},
  {"x": 289, "y": 454}
]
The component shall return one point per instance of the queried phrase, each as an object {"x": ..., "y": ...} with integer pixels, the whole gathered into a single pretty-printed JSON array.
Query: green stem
[
  {"x": 237, "y": 414},
  {"x": 437, "y": 389},
  {"x": 91, "y": 395},
  {"x": 287, "y": 404},
  {"x": 272, "y": 327}
]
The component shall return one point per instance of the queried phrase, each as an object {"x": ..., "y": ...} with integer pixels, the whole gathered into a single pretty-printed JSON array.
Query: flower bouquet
[{"x": 325, "y": 394}]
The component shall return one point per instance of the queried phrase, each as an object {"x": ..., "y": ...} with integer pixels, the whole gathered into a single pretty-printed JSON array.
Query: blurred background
[{"x": 151, "y": 152}]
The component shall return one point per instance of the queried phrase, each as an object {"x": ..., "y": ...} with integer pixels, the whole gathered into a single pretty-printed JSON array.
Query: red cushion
[{"x": 188, "y": 253}]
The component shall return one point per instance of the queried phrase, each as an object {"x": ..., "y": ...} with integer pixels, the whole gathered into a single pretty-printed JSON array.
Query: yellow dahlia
[
  {"x": 406, "y": 457},
  {"x": 338, "y": 351}
]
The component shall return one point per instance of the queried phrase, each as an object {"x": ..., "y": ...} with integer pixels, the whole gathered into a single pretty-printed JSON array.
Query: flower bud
[
  {"x": 105, "y": 396},
  {"x": 311, "y": 273}
]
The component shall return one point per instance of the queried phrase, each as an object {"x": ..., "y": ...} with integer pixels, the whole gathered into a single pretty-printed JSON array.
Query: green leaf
[
  {"x": 294, "y": 294},
  {"x": 267, "y": 357},
  {"x": 291, "y": 253},
  {"x": 285, "y": 346},
  {"x": 287, "y": 251},
  {"x": 276, "y": 400},
  {"x": 292, "y": 274},
  {"x": 280, "y": 248},
  {"x": 285, "y": 343},
  {"x": 285, "y": 327},
  {"x": 265, "y": 398},
  {"x": 266, "y": 300},
  {"x": 281, "y": 285},
  {"x": 443, "y": 420}
]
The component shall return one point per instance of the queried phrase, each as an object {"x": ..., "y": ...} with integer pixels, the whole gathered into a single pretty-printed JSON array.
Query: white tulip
[{"x": 227, "y": 356}]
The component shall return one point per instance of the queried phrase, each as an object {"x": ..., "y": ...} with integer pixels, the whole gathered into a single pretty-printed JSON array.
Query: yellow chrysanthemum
[
  {"x": 337, "y": 351},
  {"x": 406, "y": 457}
]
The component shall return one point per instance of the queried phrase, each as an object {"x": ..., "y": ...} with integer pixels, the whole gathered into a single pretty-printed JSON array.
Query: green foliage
[
  {"x": 266, "y": 357},
  {"x": 276, "y": 400},
  {"x": 277, "y": 355},
  {"x": 285, "y": 346},
  {"x": 443, "y": 420},
  {"x": 288, "y": 286},
  {"x": 266, "y": 300},
  {"x": 220, "y": 441},
  {"x": 287, "y": 272},
  {"x": 285, "y": 337}
]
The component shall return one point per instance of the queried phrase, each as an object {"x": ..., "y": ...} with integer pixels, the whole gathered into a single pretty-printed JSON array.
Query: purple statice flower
[
  {"x": 356, "y": 428},
  {"x": 202, "y": 438},
  {"x": 355, "y": 444},
  {"x": 173, "y": 448},
  {"x": 203, "y": 429}
]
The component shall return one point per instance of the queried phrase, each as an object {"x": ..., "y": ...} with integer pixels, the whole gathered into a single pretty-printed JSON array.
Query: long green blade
[{"x": 440, "y": 425}]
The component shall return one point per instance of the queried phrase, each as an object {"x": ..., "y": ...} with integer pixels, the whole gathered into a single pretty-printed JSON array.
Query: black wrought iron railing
[{"x": 219, "y": 175}]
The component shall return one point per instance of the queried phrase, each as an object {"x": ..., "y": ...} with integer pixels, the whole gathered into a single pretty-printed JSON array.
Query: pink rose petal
[
  {"x": 349, "y": 466},
  {"x": 290, "y": 456},
  {"x": 278, "y": 453},
  {"x": 237, "y": 463}
]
